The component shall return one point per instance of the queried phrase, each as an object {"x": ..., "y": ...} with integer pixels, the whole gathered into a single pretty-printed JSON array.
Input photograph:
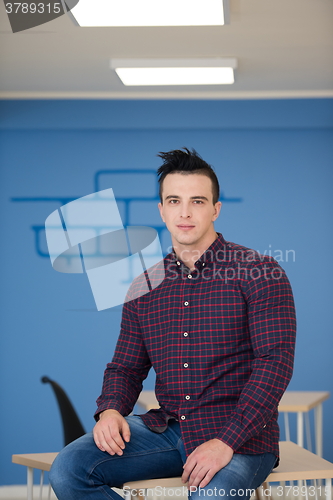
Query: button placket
[{"x": 187, "y": 288}]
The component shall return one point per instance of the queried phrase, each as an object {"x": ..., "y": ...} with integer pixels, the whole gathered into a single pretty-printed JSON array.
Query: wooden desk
[
  {"x": 296, "y": 464},
  {"x": 147, "y": 400},
  {"x": 300, "y": 402},
  {"x": 40, "y": 461}
]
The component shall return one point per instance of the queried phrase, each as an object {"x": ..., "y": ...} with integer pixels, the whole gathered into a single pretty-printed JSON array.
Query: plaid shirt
[{"x": 221, "y": 339}]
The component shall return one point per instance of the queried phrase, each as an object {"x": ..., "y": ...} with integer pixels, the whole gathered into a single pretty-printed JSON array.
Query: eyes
[{"x": 175, "y": 201}]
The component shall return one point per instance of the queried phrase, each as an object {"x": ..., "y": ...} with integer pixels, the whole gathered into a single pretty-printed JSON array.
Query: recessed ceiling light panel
[
  {"x": 151, "y": 12},
  {"x": 157, "y": 72}
]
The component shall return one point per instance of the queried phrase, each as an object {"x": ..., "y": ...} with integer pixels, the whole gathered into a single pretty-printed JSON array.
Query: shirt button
[
  {"x": 203, "y": 264},
  {"x": 189, "y": 276},
  {"x": 187, "y": 397},
  {"x": 186, "y": 303},
  {"x": 185, "y": 334},
  {"x": 182, "y": 417},
  {"x": 185, "y": 365},
  {"x": 178, "y": 263}
]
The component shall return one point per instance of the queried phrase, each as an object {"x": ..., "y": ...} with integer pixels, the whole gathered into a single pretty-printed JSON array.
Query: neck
[{"x": 190, "y": 254}]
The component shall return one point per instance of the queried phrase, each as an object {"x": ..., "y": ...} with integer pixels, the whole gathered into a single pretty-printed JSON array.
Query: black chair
[{"x": 71, "y": 423}]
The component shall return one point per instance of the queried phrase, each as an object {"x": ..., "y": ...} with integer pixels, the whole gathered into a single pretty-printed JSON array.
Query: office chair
[{"x": 71, "y": 423}]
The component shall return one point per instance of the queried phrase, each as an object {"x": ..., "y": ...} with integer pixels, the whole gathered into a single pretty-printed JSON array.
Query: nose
[{"x": 185, "y": 212}]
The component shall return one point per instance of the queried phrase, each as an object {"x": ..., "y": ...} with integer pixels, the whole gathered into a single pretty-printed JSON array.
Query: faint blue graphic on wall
[
  {"x": 136, "y": 191},
  {"x": 87, "y": 235}
]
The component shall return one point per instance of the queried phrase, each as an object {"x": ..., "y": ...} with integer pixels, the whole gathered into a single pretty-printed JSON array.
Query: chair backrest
[{"x": 71, "y": 423}]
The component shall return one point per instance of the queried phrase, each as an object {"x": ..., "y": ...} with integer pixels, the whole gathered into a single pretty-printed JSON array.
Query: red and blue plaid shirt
[{"x": 221, "y": 339}]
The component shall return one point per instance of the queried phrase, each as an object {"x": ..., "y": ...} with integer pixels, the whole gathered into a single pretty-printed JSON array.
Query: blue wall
[{"x": 274, "y": 155}]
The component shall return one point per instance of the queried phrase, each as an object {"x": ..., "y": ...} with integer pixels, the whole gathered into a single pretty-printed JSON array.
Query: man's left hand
[{"x": 205, "y": 461}]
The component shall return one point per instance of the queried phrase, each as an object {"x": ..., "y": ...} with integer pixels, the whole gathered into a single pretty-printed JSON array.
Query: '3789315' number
[{"x": 32, "y": 8}]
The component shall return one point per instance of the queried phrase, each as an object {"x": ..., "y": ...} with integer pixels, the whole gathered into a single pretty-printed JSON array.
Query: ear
[
  {"x": 160, "y": 207},
  {"x": 217, "y": 210}
]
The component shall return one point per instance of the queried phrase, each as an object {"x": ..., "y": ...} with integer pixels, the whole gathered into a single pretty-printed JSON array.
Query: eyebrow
[{"x": 192, "y": 197}]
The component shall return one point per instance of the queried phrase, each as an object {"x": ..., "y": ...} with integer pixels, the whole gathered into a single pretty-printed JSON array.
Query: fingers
[
  {"x": 198, "y": 477},
  {"x": 202, "y": 465},
  {"x": 110, "y": 442},
  {"x": 97, "y": 440},
  {"x": 207, "y": 478},
  {"x": 188, "y": 467},
  {"x": 114, "y": 440},
  {"x": 125, "y": 431},
  {"x": 109, "y": 435}
]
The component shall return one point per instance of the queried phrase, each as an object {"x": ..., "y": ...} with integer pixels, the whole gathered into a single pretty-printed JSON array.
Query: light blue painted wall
[{"x": 275, "y": 155}]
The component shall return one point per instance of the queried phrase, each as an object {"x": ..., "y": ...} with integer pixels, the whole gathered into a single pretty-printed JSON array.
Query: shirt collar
[{"x": 210, "y": 256}]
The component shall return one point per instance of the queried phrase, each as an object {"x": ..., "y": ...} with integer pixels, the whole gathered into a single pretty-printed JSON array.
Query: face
[{"x": 188, "y": 210}]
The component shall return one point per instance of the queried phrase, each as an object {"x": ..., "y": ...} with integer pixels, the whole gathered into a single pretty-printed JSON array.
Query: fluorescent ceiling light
[
  {"x": 151, "y": 12},
  {"x": 175, "y": 76},
  {"x": 154, "y": 72}
]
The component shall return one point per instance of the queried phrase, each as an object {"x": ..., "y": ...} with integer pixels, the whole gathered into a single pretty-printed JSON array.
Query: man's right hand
[{"x": 111, "y": 431}]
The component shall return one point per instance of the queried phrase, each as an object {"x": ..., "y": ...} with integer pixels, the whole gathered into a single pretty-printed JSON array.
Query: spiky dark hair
[{"x": 185, "y": 161}]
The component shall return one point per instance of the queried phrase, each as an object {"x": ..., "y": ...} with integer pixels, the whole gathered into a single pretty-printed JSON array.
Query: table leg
[
  {"x": 41, "y": 485},
  {"x": 286, "y": 426},
  {"x": 30, "y": 482},
  {"x": 308, "y": 431},
  {"x": 300, "y": 438},
  {"x": 300, "y": 429},
  {"x": 319, "y": 429},
  {"x": 328, "y": 489},
  {"x": 306, "y": 490}
]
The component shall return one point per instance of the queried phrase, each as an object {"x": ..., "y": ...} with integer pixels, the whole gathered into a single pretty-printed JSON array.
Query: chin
[{"x": 183, "y": 240}]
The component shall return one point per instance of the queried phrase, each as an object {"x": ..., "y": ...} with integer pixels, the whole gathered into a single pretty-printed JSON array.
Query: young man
[{"x": 220, "y": 333}]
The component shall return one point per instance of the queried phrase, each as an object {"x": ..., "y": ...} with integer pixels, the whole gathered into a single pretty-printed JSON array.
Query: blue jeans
[{"x": 82, "y": 471}]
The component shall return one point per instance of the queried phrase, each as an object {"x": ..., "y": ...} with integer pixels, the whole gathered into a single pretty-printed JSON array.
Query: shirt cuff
[
  {"x": 234, "y": 435},
  {"x": 111, "y": 406}
]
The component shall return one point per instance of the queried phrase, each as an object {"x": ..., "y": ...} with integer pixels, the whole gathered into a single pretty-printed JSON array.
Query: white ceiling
[{"x": 284, "y": 48}]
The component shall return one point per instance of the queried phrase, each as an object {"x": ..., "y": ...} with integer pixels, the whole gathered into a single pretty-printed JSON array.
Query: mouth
[{"x": 185, "y": 227}]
